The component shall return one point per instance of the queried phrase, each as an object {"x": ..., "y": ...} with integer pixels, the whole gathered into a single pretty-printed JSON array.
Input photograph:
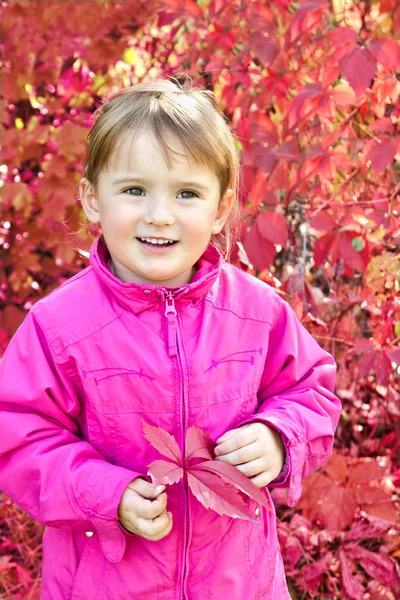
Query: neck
[{"x": 193, "y": 272}]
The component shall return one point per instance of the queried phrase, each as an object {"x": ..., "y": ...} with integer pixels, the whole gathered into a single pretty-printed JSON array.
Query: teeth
[{"x": 156, "y": 241}]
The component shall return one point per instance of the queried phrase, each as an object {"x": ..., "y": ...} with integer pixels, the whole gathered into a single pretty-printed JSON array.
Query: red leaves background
[{"x": 311, "y": 89}]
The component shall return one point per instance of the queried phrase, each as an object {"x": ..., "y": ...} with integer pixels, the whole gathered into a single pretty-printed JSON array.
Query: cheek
[
  {"x": 200, "y": 222},
  {"x": 117, "y": 217}
]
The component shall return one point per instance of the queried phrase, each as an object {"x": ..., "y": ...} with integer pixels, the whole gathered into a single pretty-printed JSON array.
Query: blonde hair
[{"x": 169, "y": 106}]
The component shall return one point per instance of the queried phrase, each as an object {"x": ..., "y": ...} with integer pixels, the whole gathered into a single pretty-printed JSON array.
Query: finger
[
  {"x": 252, "y": 468},
  {"x": 151, "y": 528},
  {"x": 226, "y": 436},
  {"x": 164, "y": 532},
  {"x": 262, "y": 479},
  {"x": 150, "y": 509},
  {"x": 242, "y": 455},
  {"x": 242, "y": 437},
  {"x": 145, "y": 488}
]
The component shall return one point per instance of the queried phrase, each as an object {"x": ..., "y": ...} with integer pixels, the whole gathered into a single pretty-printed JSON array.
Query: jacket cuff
[
  {"x": 294, "y": 442},
  {"x": 100, "y": 502}
]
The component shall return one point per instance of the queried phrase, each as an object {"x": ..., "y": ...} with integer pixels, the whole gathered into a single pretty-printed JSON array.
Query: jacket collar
[{"x": 139, "y": 297}]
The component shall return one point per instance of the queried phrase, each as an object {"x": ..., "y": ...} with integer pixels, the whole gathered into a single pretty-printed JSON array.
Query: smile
[
  {"x": 156, "y": 241},
  {"x": 156, "y": 247}
]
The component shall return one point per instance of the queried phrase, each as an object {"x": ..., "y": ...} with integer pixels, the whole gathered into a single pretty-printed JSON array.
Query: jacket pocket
[
  {"x": 239, "y": 566},
  {"x": 93, "y": 572}
]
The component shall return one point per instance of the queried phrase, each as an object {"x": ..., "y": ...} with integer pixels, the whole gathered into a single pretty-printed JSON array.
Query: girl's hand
[
  {"x": 143, "y": 510},
  {"x": 255, "y": 449}
]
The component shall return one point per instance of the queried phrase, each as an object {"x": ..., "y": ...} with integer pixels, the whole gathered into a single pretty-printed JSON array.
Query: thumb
[{"x": 146, "y": 489}]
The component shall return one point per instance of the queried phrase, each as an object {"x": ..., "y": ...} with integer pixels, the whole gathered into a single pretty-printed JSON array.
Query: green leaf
[{"x": 358, "y": 244}]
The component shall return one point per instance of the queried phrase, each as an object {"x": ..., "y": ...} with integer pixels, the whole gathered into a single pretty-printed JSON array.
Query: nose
[{"x": 159, "y": 211}]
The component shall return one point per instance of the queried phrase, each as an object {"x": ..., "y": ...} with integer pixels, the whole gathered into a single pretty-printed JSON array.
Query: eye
[
  {"x": 193, "y": 194},
  {"x": 134, "y": 193}
]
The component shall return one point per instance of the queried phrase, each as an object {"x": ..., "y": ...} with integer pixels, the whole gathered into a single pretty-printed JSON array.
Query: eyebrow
[{"x": 128, "y": 179}]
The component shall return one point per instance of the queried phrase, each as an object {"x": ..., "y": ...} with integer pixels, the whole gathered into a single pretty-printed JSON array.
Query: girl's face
[{"x": 149, "y": 201}]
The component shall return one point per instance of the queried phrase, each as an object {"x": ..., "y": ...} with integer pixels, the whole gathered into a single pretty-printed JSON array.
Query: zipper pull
[{"x": 170, "y": 313}]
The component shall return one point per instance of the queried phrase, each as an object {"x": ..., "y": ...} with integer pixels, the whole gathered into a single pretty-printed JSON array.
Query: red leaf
[
  {"x": 215, "y": 484},
  {"x": 351, "y": 586},
  {"x": 198, "y": 444},
  {"x": 383, "y": 510},
  {"x": 334, "y": 505},
  {"x": 214, "y": 493},
  {"x": 381, "y": 153},
  {"x": 260, "y": 251},
  {"x": 273, "y": 227},
  {"x": 386, "y": 51},
  {"x": 236, "y": 478},
  {"x": 163, "y": 442},
  {"x": 265, "y": 49},
  {"x": 366, "y": 470},
  {"x": 366, "y": 363},
  {"x": 306, "y": 18},
  {"x": 304, "y": 104},
  {"x": 353, "y": 258},
  {"x": 341, "y": 36},
  {"x": 394, "y": 356},
  {"x": 364, "y": 345},
  {"x": 164, "y": 472},
  {"x": 378, "y": 566},
  {"x": 359, "y": 68},
  {"x": 343, "y": 95},
  {"x": 323, "y": 247},
  {"x": 336, "y": 468},
  {"x": 311, "y": 574},
  {"x": 337, "y": 511},
  {"x": 383, "y": 367},
  {"x": 323, "y": 222},
  {"x": 368, "y": 527}
]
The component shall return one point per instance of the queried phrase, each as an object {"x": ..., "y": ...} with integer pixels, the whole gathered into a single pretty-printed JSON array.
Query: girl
[{"x": 159, "y": 328}]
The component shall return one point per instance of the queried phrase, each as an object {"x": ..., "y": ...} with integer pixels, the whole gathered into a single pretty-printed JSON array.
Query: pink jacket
[{"x": 94, "y": 358}]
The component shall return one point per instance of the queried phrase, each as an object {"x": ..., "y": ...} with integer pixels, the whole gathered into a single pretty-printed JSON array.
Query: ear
[
  {"x": 89, "y": 200},
  {"x": 223, "y": 211}
]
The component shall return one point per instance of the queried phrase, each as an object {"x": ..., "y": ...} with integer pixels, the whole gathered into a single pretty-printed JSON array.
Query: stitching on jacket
[
  {"x": 249, "y": 568},
  {"x": 87, "y": 550},
  {"x": 220, "y": 361},
  {"x": 325, "y": 454},
  {"x": 123, "y": 371},
  {"x": 157, "y": 574},
  {"x": 51, "y": 341},
  {"x": 101, "y": 326},
  {"x": 211, "y": 560},
  {"x": 244, "y": 318},
  {"x": 105, "y": 576}
]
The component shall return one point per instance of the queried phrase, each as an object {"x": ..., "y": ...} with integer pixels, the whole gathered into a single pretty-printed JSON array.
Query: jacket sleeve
[
  {"x": 57, "y": 477},
  {"x": 296, "y": 398}
]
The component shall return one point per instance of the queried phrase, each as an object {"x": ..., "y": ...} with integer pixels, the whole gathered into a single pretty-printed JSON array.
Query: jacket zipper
[{"x": 173, "y": 350}]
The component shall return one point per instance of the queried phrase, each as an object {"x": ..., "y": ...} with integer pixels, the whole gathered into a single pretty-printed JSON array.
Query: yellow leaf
[
  {"x": 380, "y": 268},
  {"x": 130, "y": 56},
  {"x": 19, "y": 124},
  {"x": 377, "y": 235}
]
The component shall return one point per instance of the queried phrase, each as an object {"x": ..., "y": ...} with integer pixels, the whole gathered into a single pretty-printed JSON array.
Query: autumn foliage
[{"x": 311, "y": 89}]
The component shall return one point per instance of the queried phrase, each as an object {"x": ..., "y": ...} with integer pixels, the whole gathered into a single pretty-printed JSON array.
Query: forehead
[{"x": 141, "y": 151}]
